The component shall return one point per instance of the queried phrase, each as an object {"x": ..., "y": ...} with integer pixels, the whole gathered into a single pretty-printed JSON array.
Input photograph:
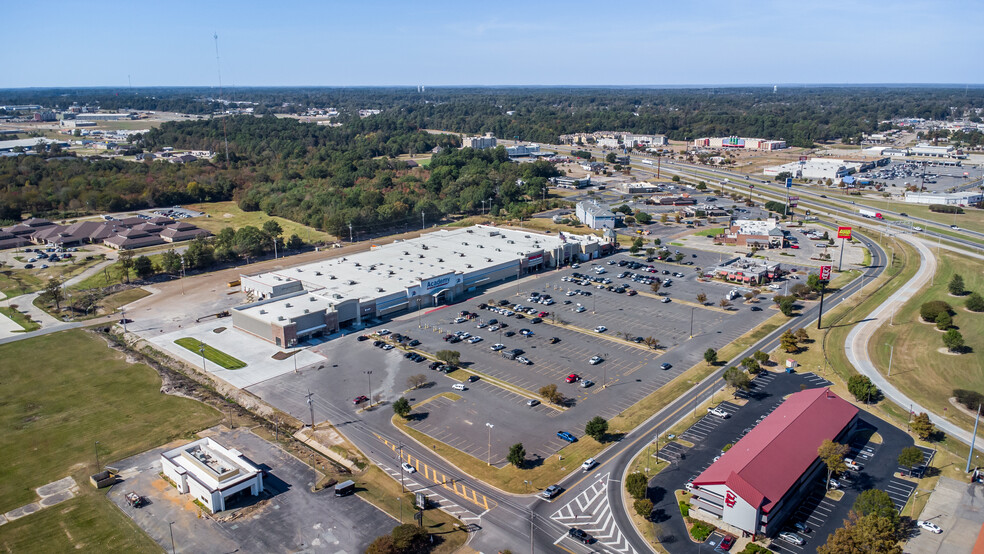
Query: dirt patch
[
  {"x": 218, "y": 330},
  {"x": 282, "y": 355},
  {"x": 945, "y": 350},
  {"x": 328, "y": 436}
]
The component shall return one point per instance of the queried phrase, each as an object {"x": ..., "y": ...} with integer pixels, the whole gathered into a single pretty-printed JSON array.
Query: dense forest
[{"x": 333, "y": 177}]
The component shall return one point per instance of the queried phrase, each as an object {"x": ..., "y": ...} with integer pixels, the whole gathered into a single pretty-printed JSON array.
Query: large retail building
[{"x": 437, "y": 268}]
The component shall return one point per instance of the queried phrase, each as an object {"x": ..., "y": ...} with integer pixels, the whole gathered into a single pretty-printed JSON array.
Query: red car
[
  {"x": 543, "y": 314},
  {"x": 794, "y": 246},
  {"x": 360, "y": 399},
  {"x": 572, "y": 378},
  {"x": 727, "y": 542}
]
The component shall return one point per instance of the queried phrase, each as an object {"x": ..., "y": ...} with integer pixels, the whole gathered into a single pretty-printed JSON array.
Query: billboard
[
  {"x": 789, "y": 183},
  {"x": 844, "y": 233},
  {"x": 793, "y": 201},
  {"x": 825, "y": 272}
]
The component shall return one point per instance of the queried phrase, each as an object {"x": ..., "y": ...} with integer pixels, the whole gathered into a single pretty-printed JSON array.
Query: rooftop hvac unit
[
  {"x": 391, "y": 272},
  {"x": 280, "y": 318},
  {"x": 318, "y": 273},
  {"x": 470, "y": 230},
  {"x": 406, "y": 252},
  {"x": 489, "y": 260},
  {"x": 307, "y": 311},
  {"x": 461, "y": 255},
  {"x": 332, "y": 277},
  {"x": 440, "y": 260},
  {"x": 298, "y": 270},
  {"x": 351, "y": 282},
  {"x": 262, "y": 311},
  {"x": 498, "y": 250},
  {"x": 357, "y": 264},
  {"x": 480, "y": 246},
  {"x": 511, "y": 241},
  {"x": 527, "y": 236},
  {"x": 337, "y": 296},
  {"x": 312, "y": 299},
  {"x": 420, "y": 256},
  {"x": 424, "y": 246},
  {"x": 287, "y": 305},
  {"x": 464, "y": 244},
  {"x": 379, "y": 289},
  {"x": 468, "y": 266}
]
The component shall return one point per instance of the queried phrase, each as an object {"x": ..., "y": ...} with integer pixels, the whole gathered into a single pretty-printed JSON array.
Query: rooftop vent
[
  {"x": 510, "y": 241},
  {"x": 380, "y": 289},
  {"x": 262, "y": 311},
  {"x": 318, "y": 273},
  {"x": 424, "y": 246},
  {"x": 468, "y": 266},
  {"x": 480, "y": 246},
  {"x": 489, "y": 260},
  {"x": 391, "y": 272},
  {"x": 332, "y": 277},
  {"x": 357, "y": 264},
  {"x": 440, "y": 260},
  {"x": 464, "y": 243},
  {"x": 527, "y": 236},
  {"x": 280, "y": 318},
  {"x": 420, "y": 256},
  {"x": 406, "y": 252},
  {"x": 307, "y": 311},
  {"x": 287, "y": 305},
  {"x": 312, "y": 299},
  {"x": 498, "y": 250},
  {"x": 470, "y": 231},
  {"x": 336, "y": 296},
  {"x": 461, "y": 255},
  {"x": 351, "y": 282},
  {"x": 298, "y": 270}
]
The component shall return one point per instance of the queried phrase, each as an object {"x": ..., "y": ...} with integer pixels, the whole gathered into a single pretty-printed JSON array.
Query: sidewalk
[{"x": 856, "y": 345}]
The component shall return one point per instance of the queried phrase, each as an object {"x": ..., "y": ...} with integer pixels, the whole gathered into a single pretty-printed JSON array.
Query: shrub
[
  {"x": 684, "y": 509},
  {"x": 943, "y": 321},
  {"x": 975, "y": 303},
  {"x": 956, "y": 285},
  {"x": 701, "y": 530},
  {"x": 636, "y": 484},
  {"x": 752, "y": 548},
  {"x": 969, "y": 398},
  {"x": 953, "y": 340},
  {"x": 932, "y": 309},
  {"x": 643, "y": 507}
]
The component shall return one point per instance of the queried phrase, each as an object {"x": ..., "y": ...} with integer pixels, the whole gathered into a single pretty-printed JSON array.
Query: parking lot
[
  {"x": 821, "y": 514},
  {"x": 938, "y": 177}
]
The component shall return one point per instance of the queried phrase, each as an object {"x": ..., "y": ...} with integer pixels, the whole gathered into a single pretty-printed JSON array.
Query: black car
[
  {"x": 756, "y": 309},
  {"x": 414, "y": 342},
  {"x": 554, "y": 340},
  {"x": 435, "y": 365},
  {"x": 510, "y": 333},
  {"x": 377, "y": 343},
  {"x": 579, "y": 535},
  {"x": 362, "y": 338}
]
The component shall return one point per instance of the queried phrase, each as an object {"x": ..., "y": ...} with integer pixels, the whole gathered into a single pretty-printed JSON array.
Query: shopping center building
[{"x": 290, "y": 305}]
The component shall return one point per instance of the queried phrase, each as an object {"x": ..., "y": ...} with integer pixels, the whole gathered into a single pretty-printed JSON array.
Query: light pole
[
  {"x": 692, "y": 310},
  {"x": 201, "y": 350},
  {"x": 403, "y": 488},
  {"x": 369, "y": 375},
  {"x": 419, "y": 325},
  {"x": 170, "y": 529},
  {"x": 891, "y": 354},
  {"x": 490, "y": 426},
  {"x": 310, "y": 404},
  {"x": 95, "y": 447}
]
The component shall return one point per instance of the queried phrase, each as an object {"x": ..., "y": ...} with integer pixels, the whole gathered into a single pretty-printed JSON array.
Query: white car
[
  {"x": 548, "y": 302},
  {"x": 383, "y": 332},
  {"x": 600, "y": 329},
  {"x": 851, "y": 464},
  {"x": 459, "y": 386},
  {"x": 497, "y": 347},
  {"x": 494, "y": 328},
  {"x": 595, "y": 360},
  {"x": 588, "y": 464},
  {"x": 570, "y": 293},
  {"x": 464, "y": 335},
  {"x": 459, "y": 320},
  {"x": 475, "y": 340},
  {"x": 835, "y": 484},
  {"x": 719, "y": 412},
  {"x": 387, "y": 347},
  {"x": 523, "y": 360},
  {"x": 792, "y": 538},
  {"x": 481, "y": 325},
  {"x": 929, "y": 526},
  {"x": 408, "y": 468},
  {"x": 579, "y": 309},
  {"x": 665, "y": 300}
]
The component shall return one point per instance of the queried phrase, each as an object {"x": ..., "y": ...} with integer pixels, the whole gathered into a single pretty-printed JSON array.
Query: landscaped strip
[
  {"x": 211, "y": 354},
  {"x": 20, "y": 319}
]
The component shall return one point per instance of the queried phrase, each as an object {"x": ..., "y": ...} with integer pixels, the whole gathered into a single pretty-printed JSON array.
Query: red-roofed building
[{"x": 756, "y": 484}]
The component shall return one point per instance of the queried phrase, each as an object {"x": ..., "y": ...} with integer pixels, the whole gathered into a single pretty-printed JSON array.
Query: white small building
[
  {"x": 523, "y": 150},
  {"x": 932, "y": 151},
  {"x": 815, "y": 168},
  {"x": 966, "y": 198},
  {"x": 608, "y": 142},
  {"x": 631, "y": 141},
  {"x": 213, "y": 474},
  {"x": 479, "y": 143},
  {"x": 595, "y": 216}
]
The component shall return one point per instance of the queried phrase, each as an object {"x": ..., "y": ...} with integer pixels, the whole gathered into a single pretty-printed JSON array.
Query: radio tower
[{"x": 218, "y": 68}]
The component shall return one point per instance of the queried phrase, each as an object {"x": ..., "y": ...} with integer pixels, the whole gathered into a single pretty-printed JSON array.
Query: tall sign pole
[
  {"x": 789, "y": 185},
  {"x": 824, "y": 277},
  {"x": 973, "y": 439},
  {"x": 843, "y": 233}
]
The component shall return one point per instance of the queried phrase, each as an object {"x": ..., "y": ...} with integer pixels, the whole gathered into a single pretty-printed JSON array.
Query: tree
[
  {"x": 752, "y": 365},
  {"x": 944, "y": 321},
  {"x": 657, "y": 241},
  {"x": 643, "y": 217},
  {"x": 787, "y": 305},
  {"x": 701, "y": 298},
  {"x": 295, "y": 242},
  {"x": 382, "y": 545},
  {"x": 450, "y": 357},
  {"x": 655, "y": 287},
  {"x": 416, "y": 381},
  {"x": 870, "y": 534},
  {"x": 643, "y": 507},
  {"x": 272, "y": 228},
  {"x": 402, "y": 407},
  {"x": 517, "y": 455},
  {"x": 711, "y": 356},
  {"x": 170, "y": 262},
  {"x": 802, "y": 335},
  {"x": 813, "y": 281},
  {"x": 597, "y": 428},
  {"x": 832, "y": 455},
  {"x": 953, "y": 340},
  {"x": 737, "y": 379},
  {"x": 408, "y": 538},
  {"x": 634, "y": 248},
  {"x": 862, "y": 388},
  {"x": 200, "y": 254},
  {"x": 929, "y": 311},
  {"x": 922, "y": 426},
  {"x": 761, "y": 357},
  {"x": 550, "y": 393},
  {"x": 975, "y": 302},
  {"x": 877, "y": 502},
  {"x": 664, "y": 219},
  {"x": 956, "y": 285},
  {"x": 910, "y": 457},
  {"x": 53, "y": 293},
  {"x": 724, "y": 303},
  {"x": 676, "y": 179},
  {"x": 610, "y": 158},
  {"x": 788, "y": 342},
  {"x": 636, "y": 484},
  {"x": 124, "y": 263},
  {"x": 651, "y": 342},
  {"x": 143, "y": 267},
  {"x": 678, "y": 256}
]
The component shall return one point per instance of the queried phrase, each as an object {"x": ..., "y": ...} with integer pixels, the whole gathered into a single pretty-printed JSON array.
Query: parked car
[
  {"x": 595, "y": 360},
  {"x": 929, "y": 526},
  {"x": 554, "y": 340},
  {"x": 585, "y": 383},
  {"x": 579, "y": 535},
  {"x": 719, "y": 412},
  {"x": 532, "y": 402},
  {"x": 600, "y": 329},
  {"x": 497, "y": 347},
  {"x": 383, "y": 332},
  {"x": 726, "y": 543},
  {"x": 851, "y": 464},
  {"x": 802, "y": 527},
  {"x": 459, "y": 386},
  {"x": 360, "y": 399},
  {"x": 566, "y": 436},
  {"x": 524, "y": 360},
  {"x": 792, "y": 538},
  {"x": 573, "y": 377},
  {"x": 664, "y": 366}
]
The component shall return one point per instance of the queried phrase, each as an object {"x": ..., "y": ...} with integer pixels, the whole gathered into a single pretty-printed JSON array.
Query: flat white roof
[
  {"x": 395, "y": 267},
  {"x": 212, "y": 464},
  {"x": 284, "y": 308}
]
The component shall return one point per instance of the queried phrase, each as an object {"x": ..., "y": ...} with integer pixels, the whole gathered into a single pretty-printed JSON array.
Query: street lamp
[
  {"x": 369, "y": 375},
  {"x": 171, "y": 530},
  {"x": 201, "y": 350},
  {"x": 96, "y": 448},
  {"x": 402, "y": 486},
  {"x": 692, "y": 322},
  {"x": 490, "y": 426}
]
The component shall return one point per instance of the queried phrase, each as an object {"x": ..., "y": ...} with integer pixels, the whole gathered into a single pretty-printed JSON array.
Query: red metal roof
[{"x": 767, "y": 462}]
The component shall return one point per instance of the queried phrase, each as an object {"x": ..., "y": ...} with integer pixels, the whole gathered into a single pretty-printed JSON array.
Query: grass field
[
  {"x": 110, "y": 275},
  {"x": 88, "y": 523},
  {"x": 211, "y": 354},
  {"x": 228, "y": 214},
  {"x": 972, "y": 219},
  {"x": 15, "y": 282},
  {"x": 20, "y": 319},
  {"x": 710, "y": 232},
  {"x": 65, "y": 391},
  {"x": 918, "y": 368}
]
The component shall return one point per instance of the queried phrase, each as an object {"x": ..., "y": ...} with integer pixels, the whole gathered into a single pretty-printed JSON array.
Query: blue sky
[{"x": 436, "y": 42}]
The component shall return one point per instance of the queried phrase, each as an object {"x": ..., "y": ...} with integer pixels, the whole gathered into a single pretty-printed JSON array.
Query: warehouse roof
[{"x": 768, "y": 461}]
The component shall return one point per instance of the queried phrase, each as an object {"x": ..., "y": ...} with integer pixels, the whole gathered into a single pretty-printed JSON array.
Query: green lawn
[
  {"x": 228, "y": 214},
  {"x": 710, "y": 232},
  {"x": 65, "y": 391},
  {"x": 88, "y": 523},
  {"x": 110, "y": 275},
  {"x": 972, "y": 219},
  {"x": 918, "y": 368},
  {"x": 20, "y": 319},
  {"x": 211, "y": 354},
  {"x": 15, "y": 282}
]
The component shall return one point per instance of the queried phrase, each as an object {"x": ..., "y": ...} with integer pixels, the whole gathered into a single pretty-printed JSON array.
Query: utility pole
[
  {"x": 891, "y": 354},
  {"x": 171, "y": 530},
  {"x": 421, "y": 220},
  {"x": 350, "y": 232},
  {"x": 310, "y": 404},
  {"x": 369, "y": 374},
  {"x": 531, "y": 530},
  {"x": 823, "y": 289},
  {"x": 96, "y": 448},
  {"x": 201, "y": 350},
  {"x": 490, "y": 426},
  {"x": 218, "y": 68},
  {"x": 402, "y": 486},
  {"x": 973, "y": 438}
]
